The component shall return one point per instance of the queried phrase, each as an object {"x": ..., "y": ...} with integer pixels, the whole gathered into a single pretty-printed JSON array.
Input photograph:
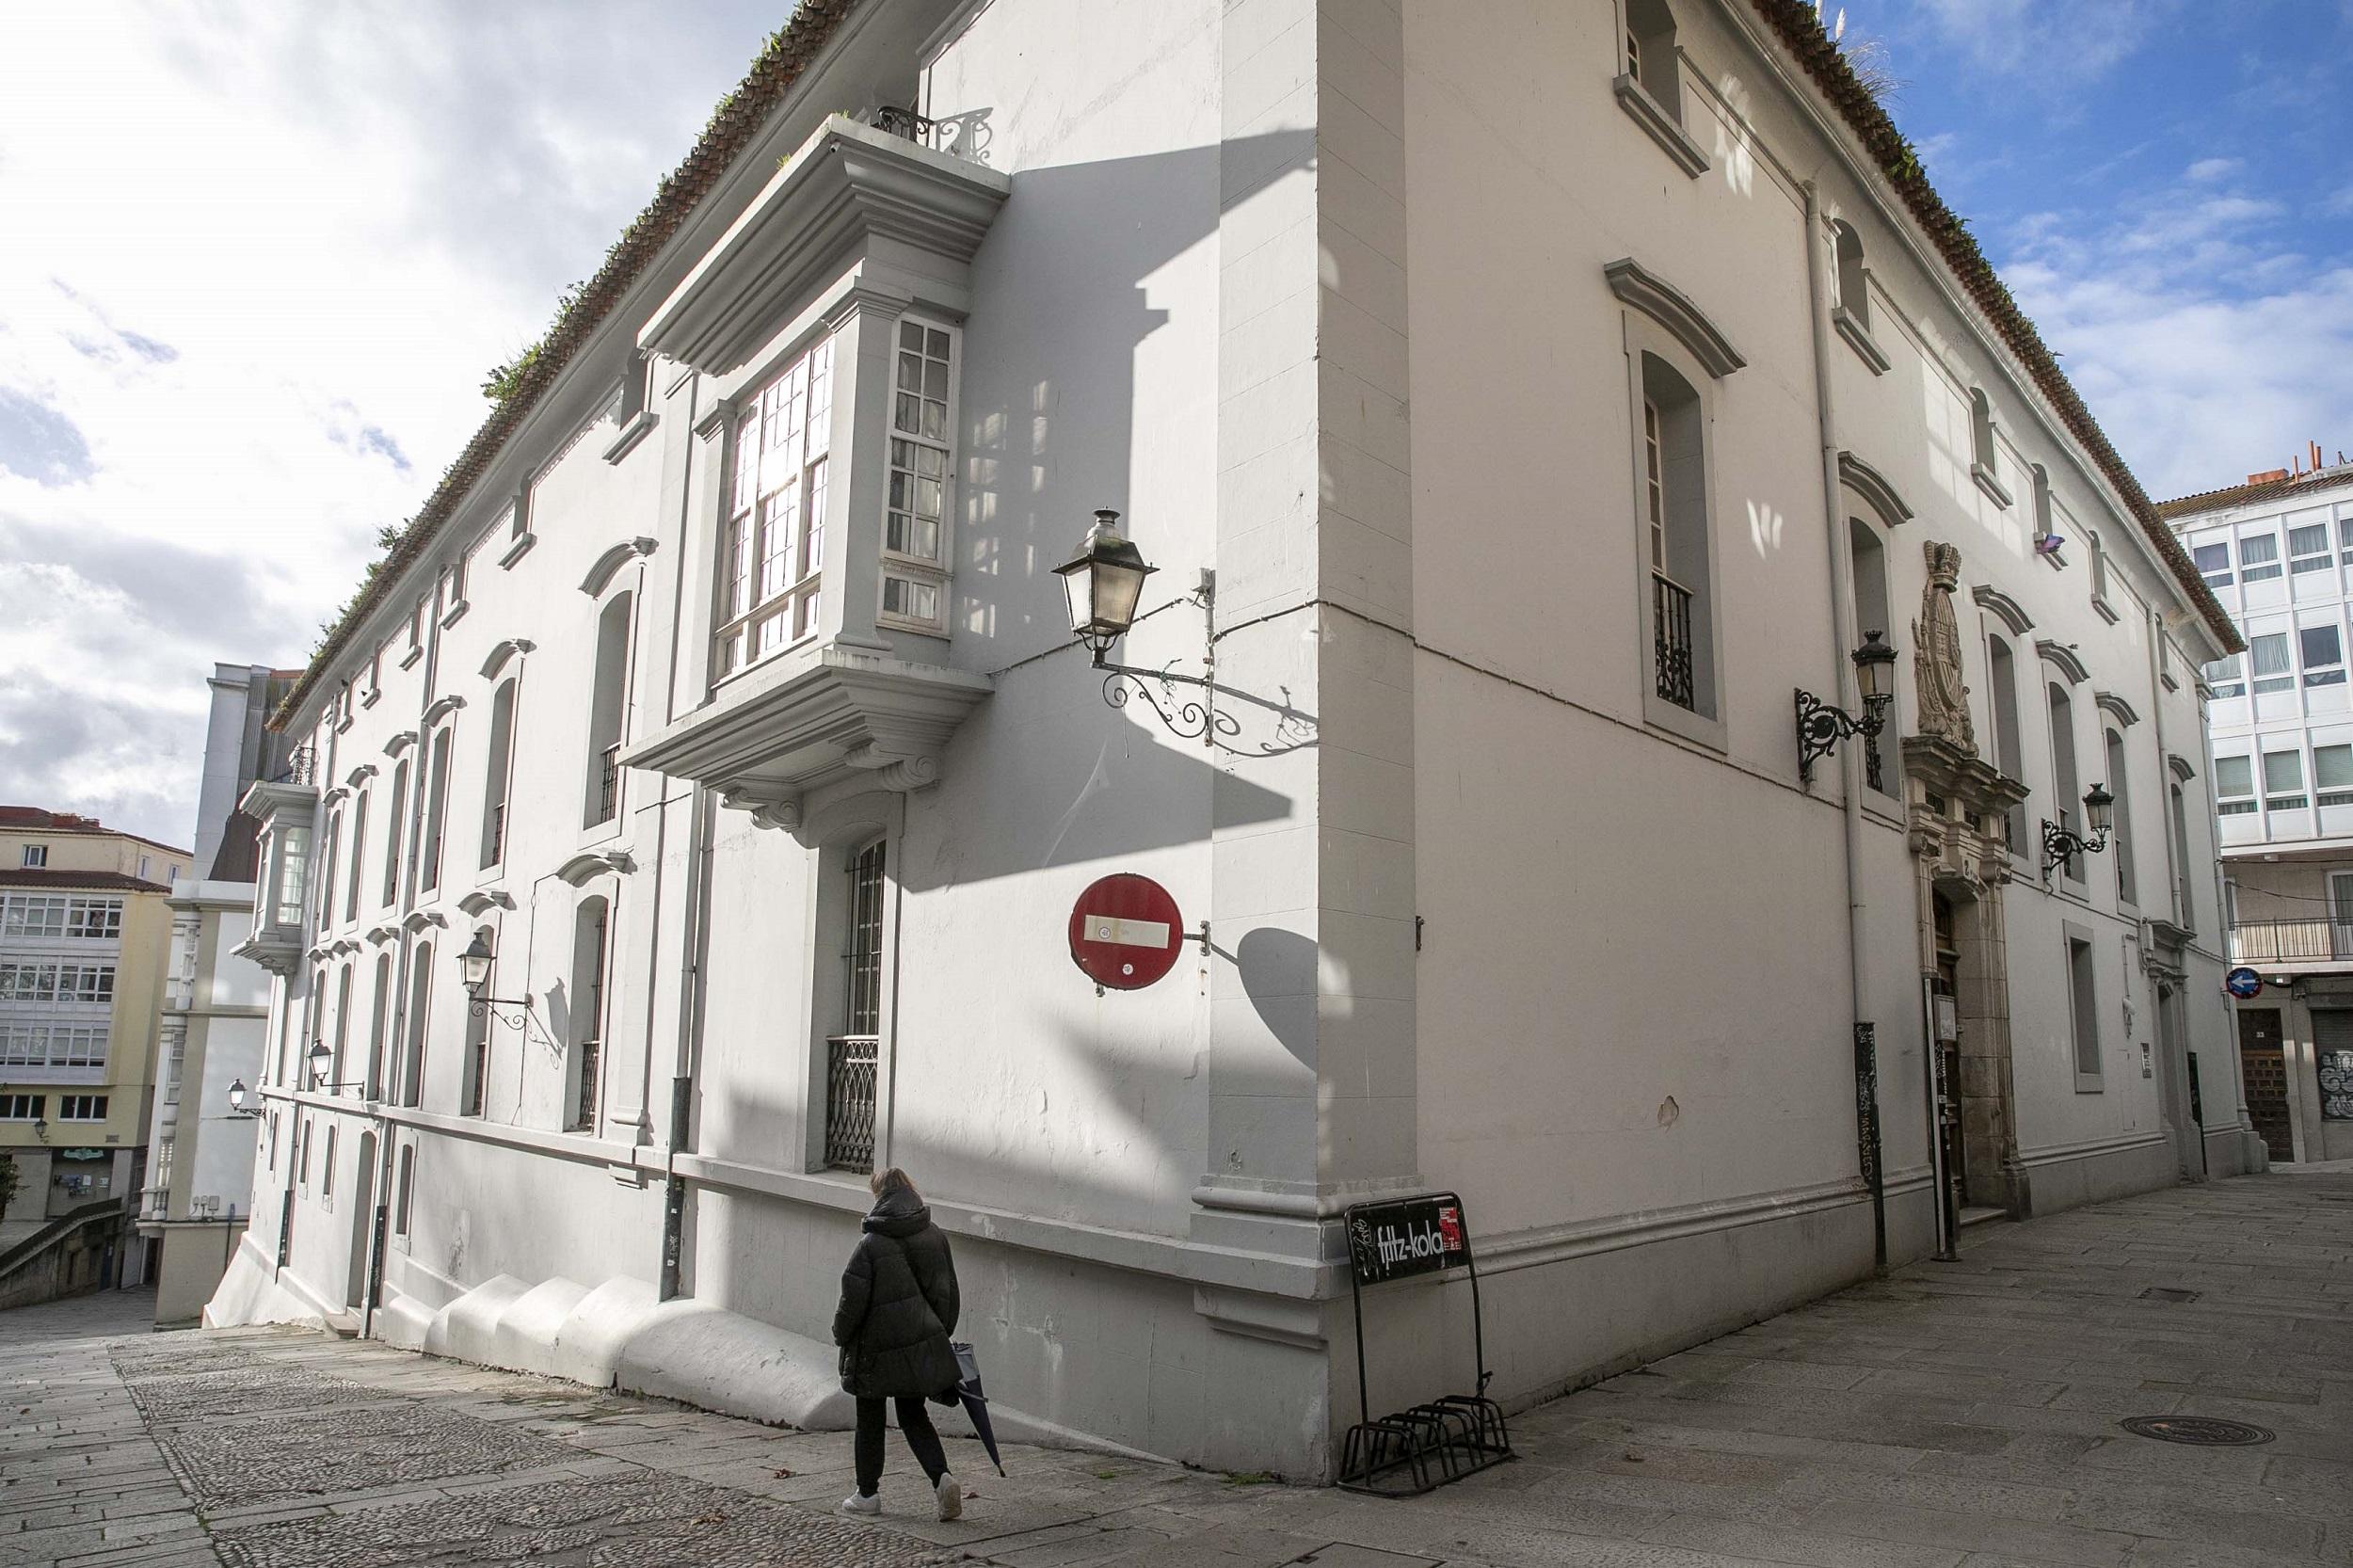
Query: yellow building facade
[{"x": 84, "y": 933}]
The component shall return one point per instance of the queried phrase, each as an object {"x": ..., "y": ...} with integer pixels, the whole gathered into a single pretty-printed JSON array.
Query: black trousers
[{"x": 915, "y": 1422}]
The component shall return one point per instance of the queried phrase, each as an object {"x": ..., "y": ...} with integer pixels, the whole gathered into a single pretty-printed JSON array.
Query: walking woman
[{"x": 898, "y": 1307}]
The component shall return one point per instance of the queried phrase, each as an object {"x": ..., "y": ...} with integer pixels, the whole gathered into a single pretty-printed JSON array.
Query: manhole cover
[{"x": 2205, "y": 1431}]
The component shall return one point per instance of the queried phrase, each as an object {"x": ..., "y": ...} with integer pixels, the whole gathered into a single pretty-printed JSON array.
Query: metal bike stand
[{"x": 1425, "y": 1446}]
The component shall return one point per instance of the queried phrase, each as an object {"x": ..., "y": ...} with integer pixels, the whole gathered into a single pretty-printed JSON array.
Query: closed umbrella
[{"x": 967, "y": 1392}]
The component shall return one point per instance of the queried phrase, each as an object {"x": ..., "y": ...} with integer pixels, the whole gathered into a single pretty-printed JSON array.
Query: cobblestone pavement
[{"x": 1955, "y": 1415}]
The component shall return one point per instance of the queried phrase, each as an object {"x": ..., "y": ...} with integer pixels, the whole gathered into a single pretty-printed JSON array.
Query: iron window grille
[
  {"x": 851, "y": 1056},
  {"x": 1670, "y": 615}
]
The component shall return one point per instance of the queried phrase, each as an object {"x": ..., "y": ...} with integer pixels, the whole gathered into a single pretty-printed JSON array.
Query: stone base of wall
[{"x": 2072, "y": 1176}]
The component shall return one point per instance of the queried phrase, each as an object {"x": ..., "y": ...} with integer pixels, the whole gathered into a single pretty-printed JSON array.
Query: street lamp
[
  {"x": 1822, "y": 726},
  {"x": 237, "y": 1094},
  {"x": 2061, "y": 845},
  {"x": 473, "y": 968},
  {"x": 1103, "y": 581}
]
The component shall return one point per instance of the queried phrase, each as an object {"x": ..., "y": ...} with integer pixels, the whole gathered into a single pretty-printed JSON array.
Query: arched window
[
  {"x": 2003, "y": 676},
  {"x": 395, "y": 824},
  {"x": 589, "y": 923},
  {"x": 1676, "y": 539},
  {"x": 436, "y": 806},
  {"x": 2120, "y": 839},
  {"x": 359, "y": 855},
  {"x": 1983, "y": 466},
  {"x": 606, "y": 703},
  {"x": 1872, "y": 615},
  {"x": 420, "y": 996},
  {"x": 496, "y": 767},
  {"x": 327, "y": 873},
  {"x": 1854, "y": 289},
  {"x": 2185, "y": 913},
  {"x": 473, "y": 1092},
  {"x": 343, "y": 1032},
  {"x": 1650, "y": 53},
  {"x": 378, "y": 1015},
  {"x": 2066, "y": 784}
]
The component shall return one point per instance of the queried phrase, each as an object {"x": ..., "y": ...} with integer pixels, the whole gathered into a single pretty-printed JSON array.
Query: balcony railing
[
  {"x": 849, "y": 1102},
  {"x": 1671, "y": 618},
  {"x": 2304, "y": 941}
]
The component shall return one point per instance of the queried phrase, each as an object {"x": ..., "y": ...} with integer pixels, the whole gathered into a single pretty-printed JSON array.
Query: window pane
[
  {"x": 2234, "y": 775},
  {"x": 2321, "y": 646},
  {"x": 2214, "y": 557},
  {"x": 2309, "y": 542},
  {"x": 2258, "y": 549},
  {"x": 2332, "y": 767},
  {"x": 2270, "y": 652},
  {"x": 2282, "y": 770}
]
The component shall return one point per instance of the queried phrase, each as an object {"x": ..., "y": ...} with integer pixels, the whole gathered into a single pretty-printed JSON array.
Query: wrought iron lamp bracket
[
  {"x": 2061, "y": 845},
  {"x": 1187, "y": 720},
  {"x": 487, "y": 1007},
  {"x": 1821, "y": 726}
]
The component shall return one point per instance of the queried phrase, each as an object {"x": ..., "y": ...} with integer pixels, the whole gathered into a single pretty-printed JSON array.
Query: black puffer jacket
[{"x": 898, "y": 1304}]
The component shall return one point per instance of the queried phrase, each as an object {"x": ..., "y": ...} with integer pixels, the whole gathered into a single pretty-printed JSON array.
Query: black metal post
[
  {"x": 1867, "y": 1097},
  {"x": 674, "y": 1189}
]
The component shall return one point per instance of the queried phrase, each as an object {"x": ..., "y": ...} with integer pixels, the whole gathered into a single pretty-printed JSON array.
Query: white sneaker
[
  {"x": 950, "y": 1498},
  {"x": 858, "y": 1503}
]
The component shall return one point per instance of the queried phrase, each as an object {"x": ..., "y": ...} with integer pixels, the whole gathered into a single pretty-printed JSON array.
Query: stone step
[
  {"x": 344, "y": 1324},
  {"x": 1981, "y": 1215}
]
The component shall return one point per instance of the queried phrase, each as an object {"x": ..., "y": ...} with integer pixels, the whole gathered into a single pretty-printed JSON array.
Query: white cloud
[
  {"x": 2047, "y": 46},
  {"x": 2207, "y": 347},
  {"x": 259, "y": 257},
  {"x": 2214, "y": 168}
]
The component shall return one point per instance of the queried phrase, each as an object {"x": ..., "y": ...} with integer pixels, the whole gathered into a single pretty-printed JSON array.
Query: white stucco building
[
  {"x": 216, "y": 1007},
  {"x": 1515, "y": 472},
  {"x": 2278, "y": 552}
]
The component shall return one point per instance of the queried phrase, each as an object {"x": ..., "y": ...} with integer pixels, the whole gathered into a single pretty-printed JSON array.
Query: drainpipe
[
  {"x": 1850, "y": 761},
  {"x": 696, "y": 901}
]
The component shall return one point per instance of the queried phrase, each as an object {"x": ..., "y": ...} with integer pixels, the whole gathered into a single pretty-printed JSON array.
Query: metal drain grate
[{"x": 2203, "y": 1431}]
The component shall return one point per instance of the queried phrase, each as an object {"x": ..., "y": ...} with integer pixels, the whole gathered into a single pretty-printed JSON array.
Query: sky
[{"x": 256, "y": 257}]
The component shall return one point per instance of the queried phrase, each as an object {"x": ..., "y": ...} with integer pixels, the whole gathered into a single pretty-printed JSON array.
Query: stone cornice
[
  {"x": 600, "y": 572},
  {"x": 1645, "y": 291},
  {"x": 2070, "y": 663},
  {"x": 1872, "y": 485},
  {"x": 848, "y": 186},
  {"x": 2114, "y": 704},
  {"x": 2013, "y": 615}
]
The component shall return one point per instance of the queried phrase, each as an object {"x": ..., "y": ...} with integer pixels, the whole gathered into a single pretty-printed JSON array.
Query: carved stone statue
[{"x": 1936, "y": 654}]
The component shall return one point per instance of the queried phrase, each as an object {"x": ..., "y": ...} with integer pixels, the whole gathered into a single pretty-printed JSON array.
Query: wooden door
[{"x": 2265, "y": 1069}]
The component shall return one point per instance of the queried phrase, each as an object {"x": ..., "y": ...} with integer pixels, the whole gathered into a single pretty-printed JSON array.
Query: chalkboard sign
[
  {"x": 2336, "y": 1086},
  {"x": 1405, "y": 1237}
]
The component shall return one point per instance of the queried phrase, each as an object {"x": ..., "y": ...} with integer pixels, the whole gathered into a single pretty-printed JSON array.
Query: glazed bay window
[
  {"x": 826, "y": 322},
  {"x": 923, "y": 457},
  {"x": 772, "y": 546}
]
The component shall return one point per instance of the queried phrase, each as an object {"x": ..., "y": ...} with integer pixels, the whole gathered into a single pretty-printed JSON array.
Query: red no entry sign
[{"x": 1125, "y": 931}]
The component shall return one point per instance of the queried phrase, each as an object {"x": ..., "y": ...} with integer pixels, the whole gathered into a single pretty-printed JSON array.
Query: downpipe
[{"x": 1867, "y": 1152}]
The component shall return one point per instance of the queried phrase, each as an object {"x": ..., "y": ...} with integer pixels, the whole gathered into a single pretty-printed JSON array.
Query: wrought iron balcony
[
  {"x": 849, "y": 1061},
  {"x": 2319, "y": 940},
  {"x": 1671, "y": 620}
]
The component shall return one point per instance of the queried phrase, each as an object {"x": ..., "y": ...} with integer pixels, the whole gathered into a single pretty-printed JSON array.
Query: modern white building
[
  {"x": 2278, "y": 552},
  {"x": 1507, "y": 481},
  {"x": 215, "y": 1008}
]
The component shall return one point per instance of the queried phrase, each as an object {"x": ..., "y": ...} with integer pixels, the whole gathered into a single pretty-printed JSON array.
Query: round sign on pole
[
  {"x": 1125, "y": 931},
  {"x": 2243, "y": 983}
]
